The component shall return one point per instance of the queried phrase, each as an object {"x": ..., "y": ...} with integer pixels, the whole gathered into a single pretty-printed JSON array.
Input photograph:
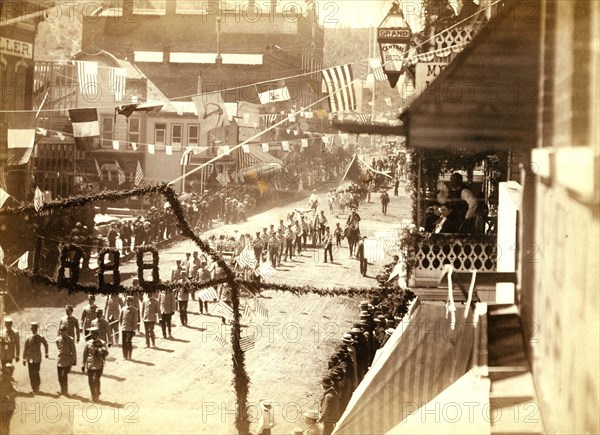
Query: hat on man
[
  {"x": 347, "y": 338},
  {"x": 364, "y": 305},
  {"x": 8, "y": 320},
  {"x": 313, "y": 414},
  {"x": 327, "y": 381},
  {"x": 297, "y": 431},
  {"x": 380, "y": 320},
  {"x": 390, "y": 323},
  {"x": 93, "y": 329},
  {"x": 34, "y": 324},
  {"x": 356, "y": 331},
  {"x": 130, "y": 298},
  {"x": 69, "y": 307},
  {"x": 389, "y": 331},
  {"x": 364, "y": 323}
]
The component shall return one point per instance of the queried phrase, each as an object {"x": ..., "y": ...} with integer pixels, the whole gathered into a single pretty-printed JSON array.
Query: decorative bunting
[
  {"x": 118, "y": 80},
  {"x": 85, "y": 127},
  {"x": 265, "y": 270},
  {"x": 98, "y": 169},
  {"x": 246, "y": 148},
  {"x": 246, "y": 259},
  {"x": 247, "y": 310},
  {"x": 120, "y": 174},
  {"x": 304, "y": 143},
  {"x": 87, "y": 73},
  {"x": 377, "y": 67},
  {"x": 274, "y": 95},
  {"x": 20, "y": 137}
]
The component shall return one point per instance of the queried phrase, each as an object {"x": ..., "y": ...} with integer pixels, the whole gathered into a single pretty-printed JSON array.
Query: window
[
  {"x": 176, "y": 136},
  {"x": 193, "y": 135},
  {"x": 108, "y": 129},
  {"x": 160, "y": 134},
  {"x": 133, "y": 131}
]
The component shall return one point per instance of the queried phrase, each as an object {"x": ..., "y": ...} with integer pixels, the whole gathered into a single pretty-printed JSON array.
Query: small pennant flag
[
  {"x": 225, "y": 150},
  {"x": 225, "y": 310},
  {"x": 98, "y": 170},
  {"x": 304, "y": 143},
  {"x": 150, "y": 149},
  {"x": 23, "y": 261},
  {"x": 42, "y": 131},
  {"x": 246, "y": 148},
  {"x": 388, "y": 101},
  {"x": 139, "y": 174},
  {"x": 274, "y": 95},
  {"x": 4, "y": 195},
  {"x": 328, "y": 139},
  {"x": 169, "y": 150},
  {"x": 134, "y": 146},
  {"x": 208, "y": 295},
  {"x": 285, "y": 145},
  {"x": 120, "y": 174},
  {"x": 291, "y": 117},
  {"x": 38, "y": 199},
  {"x": 259, "y": 308},
  {"x": 247, "y": 342},
  {"x": 60, "y": 136},
  {"x": 265, "y": 147},
  {"x": 115, "y": 145}
]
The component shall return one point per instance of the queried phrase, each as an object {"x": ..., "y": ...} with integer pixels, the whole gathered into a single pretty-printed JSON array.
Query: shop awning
[
  {"x": 377, "y": 128},
  {"x": 487, "y": 97},
  {"x": 420, "y": 360}
]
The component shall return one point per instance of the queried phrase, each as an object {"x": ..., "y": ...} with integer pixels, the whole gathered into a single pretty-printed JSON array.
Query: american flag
[
  {"x": 87, "y": 73},
  {"x": 247, "y": 342},
  {"x": 364, "y": 118},
  {"x": 208, "y": 295},
  {"x": 139, "y": 174},
  {"x": 246, "y": 258},
  {"x": 375, "y": 64},
  {"x": 339, "y": 84},
  {"x": 265, "y": 270},
  {"x": 118, "y": 77},
  {"x": 98, "y": 169},
  {"x": 38, "y": 199},
  {"x": 223, "y": 343},
  {"x": 270, "y": 119},
  {"x": 259, "y": 308},
  {"x": 120, "y": 174},
  {"x": 225, "y": 310},
  {"x": 374, "y": 250}
]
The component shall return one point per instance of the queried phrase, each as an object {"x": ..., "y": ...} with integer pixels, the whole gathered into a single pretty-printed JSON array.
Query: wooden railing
[{"x": 463, "y": 252}]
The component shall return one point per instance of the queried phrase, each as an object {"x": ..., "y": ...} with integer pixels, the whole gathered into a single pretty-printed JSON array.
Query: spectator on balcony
[
  {"x": 463, "y": 203},
  {"x": 447, "y": 223}
]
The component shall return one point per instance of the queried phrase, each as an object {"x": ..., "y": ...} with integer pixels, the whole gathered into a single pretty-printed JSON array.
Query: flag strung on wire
[
  {"x": 186, "y": 156},
  {"x": 247, "y": 343},
  {"x": 87, "y": 73},
  {"x": 1, "y": 255},
  {"x": 208, "y": 295},
  {"x": 38, "y": 199},
  {"x": 270, "y": 119},
  {"x": 4, "y": 195},
  {"x": 338, "y": 84},
  {"x": 364, "y": 118},
  {"x": 274, "y": 95},
  {"x": 139, "y": 174},
  {"x": 246, "y": 258},
  {"x": 377, "y": 67},
  {"x": 20, "y": 137},
  {"x": 329, "y": 139},
  {"x": 85, "y": 127},
  {"x": 118, "y": 79},
  {"x": 98, "y": 170},
  {"x": 23, "y": 262},
  {"x": 120, "y": 174},
  {"x": 265, "y": 270},
  {"x": 225, "y": 310},
  {"x": 259, "y": 308}
]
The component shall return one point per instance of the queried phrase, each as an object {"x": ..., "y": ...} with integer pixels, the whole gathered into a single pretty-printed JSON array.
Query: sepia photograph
[{"x": 299, "y": 217}]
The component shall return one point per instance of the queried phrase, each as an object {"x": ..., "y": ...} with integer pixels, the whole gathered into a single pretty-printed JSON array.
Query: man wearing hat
[
  {"x": 360, "y": 255},
  {"x": 352, "y": 365},
  {"x": 360, "y": 345},
  {"x": 32, "y": 355},
  {"x": 10, "y": 343},
  {"x": 129, "y": 319},
  {"x": 267, "y": 418},
  {"x": 8, "y": 393},
  {"x": 112, "y": 311},
  {"x": 379, "y": 331},
  {"x": 88, "y": 314},
  {"x": 71, "y": 322},
  {"x": 330, "y": 404},
  {"x": 104, "y": 329},
  {"x": 166, "y": 302},
  {"x": 67, "y": 358},
  {"x": 310, "y": 419},
  {"x": 257, "y": 247},
  {"x": 328, "y": 244},
  {"x": 94, "y": 356}
]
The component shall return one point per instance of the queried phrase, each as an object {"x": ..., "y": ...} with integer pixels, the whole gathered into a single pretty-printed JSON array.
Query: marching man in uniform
[
  {"x": 32, "y": 355},
  {"x": 67, "y": 358},
  {"x": 94, "y": 356}
]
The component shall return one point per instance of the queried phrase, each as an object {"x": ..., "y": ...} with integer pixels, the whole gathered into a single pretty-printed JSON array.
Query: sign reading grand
[
  {"x": 399, "y": 35},
  {"x": 16, "y": 48}
]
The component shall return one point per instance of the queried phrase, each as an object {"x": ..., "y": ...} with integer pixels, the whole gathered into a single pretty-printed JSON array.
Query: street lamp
[{"x": 393, "y": 37}]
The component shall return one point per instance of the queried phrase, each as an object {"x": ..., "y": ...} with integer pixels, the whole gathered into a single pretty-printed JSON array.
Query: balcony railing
[{"x": 464, "y": 252}]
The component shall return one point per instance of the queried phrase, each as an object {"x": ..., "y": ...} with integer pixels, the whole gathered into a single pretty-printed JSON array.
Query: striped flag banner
[
  {"x": 246, "y": 258},
  {"x": 259, "y": 308},
  {"x": 266, "y": 270},
  {"x": 118, "y": 79},
  {"x": 377, "y": 67},
  {"x": 374, "y": 250},
  {"x": 20, "y": 137},
  {"x": 391, "y": 239},
  {"x": 338, "y": 83},
  {"x": 120, "y": 174},
  {"x": 208, "y": 295},
  {"x": 87, "y": 73},
  {"x": 38, "y": 199},
  {"x": 98, "y": 169},
  {"x": 223, "y": 343},
  {"x": 139, "y": 174},
  {"x": 225, "y": 310},
  {"x": 247, "y": 310},
  {"x": 247, "y": 343},
  {"x": 364, "y": 118}
]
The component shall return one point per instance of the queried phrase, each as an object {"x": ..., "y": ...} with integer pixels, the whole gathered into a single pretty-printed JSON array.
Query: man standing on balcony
[{"x": 463, "y": 203}]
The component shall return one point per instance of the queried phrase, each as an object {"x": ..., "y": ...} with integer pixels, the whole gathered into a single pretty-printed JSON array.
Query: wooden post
[{"x": 419, "y": 187}]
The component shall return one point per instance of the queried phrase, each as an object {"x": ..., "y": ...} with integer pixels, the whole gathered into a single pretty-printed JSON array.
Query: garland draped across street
[{"x": 241, "y": 379}]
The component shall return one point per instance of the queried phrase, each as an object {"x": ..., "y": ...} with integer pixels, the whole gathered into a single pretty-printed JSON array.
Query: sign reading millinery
[
  {"x": 426, "y": 72},
  {"x": 16, "y": 48}
]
